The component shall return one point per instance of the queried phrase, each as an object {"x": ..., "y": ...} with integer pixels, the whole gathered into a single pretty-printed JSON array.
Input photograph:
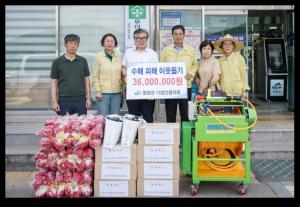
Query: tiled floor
[{"x": 273, "y": 170}]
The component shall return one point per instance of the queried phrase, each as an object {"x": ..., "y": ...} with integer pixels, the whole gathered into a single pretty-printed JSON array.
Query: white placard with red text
[{"x": 156, "y": 81}]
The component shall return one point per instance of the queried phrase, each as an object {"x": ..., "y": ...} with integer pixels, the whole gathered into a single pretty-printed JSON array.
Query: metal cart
[{"x": 216, "y": 130}]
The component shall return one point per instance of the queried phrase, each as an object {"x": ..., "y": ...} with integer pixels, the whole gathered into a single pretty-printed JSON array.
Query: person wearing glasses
[
  {"x": 70, "y": 84},
  {"x": 139, "y": 54},
  {"x": 180, "y": 52},
  {"x": 107, "y": 77}
]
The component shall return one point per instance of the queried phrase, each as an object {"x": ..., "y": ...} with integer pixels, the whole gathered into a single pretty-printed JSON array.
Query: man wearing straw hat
[{"x": 233, "y": 77}]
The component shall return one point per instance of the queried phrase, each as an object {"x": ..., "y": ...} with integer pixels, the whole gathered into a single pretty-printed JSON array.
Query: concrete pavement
[
  {"x": 273, "y": 139},
  {"x": 18, "y": 185}
]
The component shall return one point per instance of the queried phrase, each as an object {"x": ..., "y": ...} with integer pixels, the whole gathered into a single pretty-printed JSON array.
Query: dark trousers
[
  {"x": 171, "y": 108},
  {"x": 72, "y": 107},
  {"x": 143, "y": 108}
]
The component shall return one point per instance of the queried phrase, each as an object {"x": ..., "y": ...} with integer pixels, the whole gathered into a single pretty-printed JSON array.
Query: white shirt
[{"x": 132, "y": 55}]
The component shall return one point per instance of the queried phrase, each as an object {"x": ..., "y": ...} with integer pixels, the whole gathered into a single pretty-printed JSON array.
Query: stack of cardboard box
[
  {"x": 115, "y": 171},
  {"x": 158, "y": 160}
]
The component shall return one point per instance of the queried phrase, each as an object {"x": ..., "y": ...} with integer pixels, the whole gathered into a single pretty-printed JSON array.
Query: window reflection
[
  {"x": 29, "y": 51},
  {"x": 30, "y": 46}
]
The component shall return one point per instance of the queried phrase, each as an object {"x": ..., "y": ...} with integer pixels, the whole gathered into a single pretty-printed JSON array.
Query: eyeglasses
[{"x": 141, "y": 38}]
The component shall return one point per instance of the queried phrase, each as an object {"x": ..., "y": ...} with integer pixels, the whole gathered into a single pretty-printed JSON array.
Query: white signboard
[
  {"x": 169, "y": 19},
  {"x": 276, "y": 87},
  {"x": 136, "y": 16},
  {"x": 156, "y": 81}
]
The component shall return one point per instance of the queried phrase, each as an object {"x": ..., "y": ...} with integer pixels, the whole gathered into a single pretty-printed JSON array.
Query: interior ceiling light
[{"x": 272, "y": 27}]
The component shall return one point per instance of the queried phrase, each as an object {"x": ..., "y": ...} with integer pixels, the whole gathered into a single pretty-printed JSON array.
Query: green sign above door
[{"x": 137, "y": 12}]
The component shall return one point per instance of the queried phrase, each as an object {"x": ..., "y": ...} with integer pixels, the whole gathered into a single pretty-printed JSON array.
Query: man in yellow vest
[
  {"x": 180, "y": 52},
  {"x": 233, "y": 77}
]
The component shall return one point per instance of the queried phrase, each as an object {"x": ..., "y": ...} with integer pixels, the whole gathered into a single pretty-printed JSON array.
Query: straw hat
[{"x": 238, "y": 45}]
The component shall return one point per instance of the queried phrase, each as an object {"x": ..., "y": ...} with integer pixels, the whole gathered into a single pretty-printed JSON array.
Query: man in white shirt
[{"x": 139, "y": 54}]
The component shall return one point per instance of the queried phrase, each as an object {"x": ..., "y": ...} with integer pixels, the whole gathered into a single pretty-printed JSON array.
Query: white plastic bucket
[
  {"x": 191, "y": 110},
  {"x": 130, "y": 129},
  {"x": 112, "y": 130}
]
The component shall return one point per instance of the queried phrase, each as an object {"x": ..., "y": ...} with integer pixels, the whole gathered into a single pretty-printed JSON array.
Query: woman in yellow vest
[
  {"x": 233, "y": 77},
  {"x": 107, "y": 78}
]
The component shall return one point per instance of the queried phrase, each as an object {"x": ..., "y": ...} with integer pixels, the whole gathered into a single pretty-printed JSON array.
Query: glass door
[{"x": 217, "y": 26}]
